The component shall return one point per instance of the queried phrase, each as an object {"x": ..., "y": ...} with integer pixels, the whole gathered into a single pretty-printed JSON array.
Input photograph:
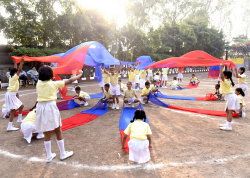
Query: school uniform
[
  {"x": 105, "y": 79},
  {"x": 85, "y": 95},
  {"x": 122, "y": 87},
  {"x": 150, "y": 74},
  {"x": 243, "y": 84},
  {"x": 142, "y": 78},
  {"x": 174, "y": 85},
  {"x": 107, "y": 95},
  {"x": 165, "y": 74},
  {"x": 130, "y": 95},
  {"x": 131, "y": 78},
  {"x": 144, "y": 91},
  {"x": 193, "y": 80},
  {"x": 241, "y": 101},
  {"x": 180, "y": 75},
  {"x": 137, "y": 76},
  {"x": 115, "y": 87}
]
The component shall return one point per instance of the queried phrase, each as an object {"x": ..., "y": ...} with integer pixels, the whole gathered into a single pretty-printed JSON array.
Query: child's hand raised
[
  {"x": 80, "y": 72},
  {"x": 22, "y": 59},
  {"x": 221, "y": 64}
]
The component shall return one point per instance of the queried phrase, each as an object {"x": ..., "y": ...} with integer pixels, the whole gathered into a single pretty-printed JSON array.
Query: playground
[{"x": 184, "y": 144}]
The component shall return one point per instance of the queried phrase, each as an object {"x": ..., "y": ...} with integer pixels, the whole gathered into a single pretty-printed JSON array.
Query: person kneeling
[
  {"x": 174, "y": 84},
  {"x": 242, "y": 111},
  {"x": 82, "y": 96},
  {"x": 145, "y": 92},
  {"x": 153, "y": 87},
  {"x": 107, "y": 95},
  {"x": 218, "y": 93},
  {"x": 130, "y": 96}
]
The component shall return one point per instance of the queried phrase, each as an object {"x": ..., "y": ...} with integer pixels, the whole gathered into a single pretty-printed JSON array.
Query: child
[
  {"x": 150, "y": 76},
  {"x": 153, "y": 87},
  {"x": 240, "y": 93},
  {"x": 131, "y": 75},
  {"x": 5, "y": 112},
  {"x": 218, "y": 93},
  {"x": 242, "y": 80},
  {"x": 194, "y": 80},
  {"x": 130, "y": 96},
  {"x": 47, "y": 114},
  {"x": 105, "y": 77},
  {"x": 165, "y": 77},
  {"x": 140, "y": 138},
  {"x": 174, "y": 84},
  {"x": 28, "y": 126},
  {"x": 232, "y": 99},
  {"x": 82, "y": 96},
  {"x": 180, "y": 75},
  {"x": 11, "y": 100},
  {"x": 156, "y": 78},
  {"x": 143, "y": 74},
  {"x": 122, "y": 87},
  {"x": 107, "y": 95},
  {"x": 115, "y": 88},
  {"x": 145, "y": 92},
  {"x": 137, "y": 80}
]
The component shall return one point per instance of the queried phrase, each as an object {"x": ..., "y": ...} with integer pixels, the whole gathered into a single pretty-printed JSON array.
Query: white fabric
[
  {"x": 28, "y": 128},
  {"x": 133, "y": 84},
  {"x": 138, "y": 150},
  {"x": 245, "y": 89},
  {"x": 150, "y": 77},
  {"x": 101, "y": 84},
  {"x": 173, "y": 87},
  {"x": 232, "y": 102},
  {"x": 142, "y": 98},
  {"x": 165, "y": 77},
  {"x": 142, "y": 82},
  {"x": 115, "y": 90},
  {"x": 47, "y": 116},
  {"x": 180, "y": 75},
  {"x": 243, "y": 112},
  {"x": 60, "y": 144},
  {"x": 131, "y": 100},
  {"x": 137, "y": 79},
  {"x": 87, "y": 98},
  {"x": 5, "y": 111},
  {"x": 11, "y": 101}
]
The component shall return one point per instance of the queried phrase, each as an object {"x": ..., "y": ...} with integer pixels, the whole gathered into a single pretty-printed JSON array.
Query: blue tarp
[
  {"x": 144, "y": 62},
  {"x": 99, "y": 109},
  {"x": 159, "y": 94},
  {"x": 98, "y": 95},
  {"x": 156, "y": 101}
]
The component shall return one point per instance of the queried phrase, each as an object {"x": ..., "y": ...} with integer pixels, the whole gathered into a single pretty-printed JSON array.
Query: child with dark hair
[
  {"x": 137, "y": 80},
  {"x": 145, "y": 92},
  {"x": 82, "y": 96},
  {"x": 240, "y": 74},
  {"x": 107, "y": 95},
  {"x": 240, "y": 93},
  {"x": 174, "y": 84},
  {"x": 131, "y": 75},
  {"x": 140, "y": 138},
  {"x": 153, "y": 87},
  {"x": 232, "y": 99},
  {"x": 11, "y": 99},
  {"x": 194, "y": 80},
  {"x": 156, "y": 77},
  {"x": 28, "y": 126},
  {"x": 218, "y": 93},
  {"x": 47, "y": 114},
  {"x": 130, "y": 96}
]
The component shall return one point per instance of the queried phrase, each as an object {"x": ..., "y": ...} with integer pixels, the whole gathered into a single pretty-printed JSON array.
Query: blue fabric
[
  {"x": 60, "y": 54},
  {"x": 72, "y": 104},
  {"x": 127, "y": 115},
  {"x": 215, "y": 68},
  {"x": 181, "y": 88},
  {"x": 98, "y": 74},
  {"x": 156, "y": 101},
  {"x": 29, "y": 72},
  {"x": 98, "y": 109},
  {"x": 159, "y": 94},
  {"x": 98, "y": 95},
  {"x": 145, "y": 61},
  {"x": 130, "y": 63}
]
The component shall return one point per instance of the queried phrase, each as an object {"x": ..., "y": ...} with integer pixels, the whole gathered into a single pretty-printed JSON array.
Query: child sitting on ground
[
  {"x": 130, "y": 96},
  {"x": 174, "y": 84},
  {"x": 240, "y": 93},
  {"x": 82, "y": 96},
  {"x": 218, "y": 93},
  {"x": 194, "y": 80},
  {"x": 153, "y": 87},
  {"x": 140, "y": 138},
  {"x": 122, "y": 87},
  {"x": 107, "y": 95},
  {"x": 28, "y": 126},
  {"x": 145, "y": 92}
]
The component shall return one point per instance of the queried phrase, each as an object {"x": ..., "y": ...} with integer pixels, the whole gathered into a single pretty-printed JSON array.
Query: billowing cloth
[
  {"x": 143, "y": 61},
  {"x": 98, "y": 95},
  {"x": 193, "y": 58},
  {"x": 190, "y": 86},
  {"x": 126, "y": 116},
  {"x": 214, "y": 72},
  {"x": 85, "y": 116},
  {"x": 66, "y": 105},
  {"x": 208, "y": 97}
]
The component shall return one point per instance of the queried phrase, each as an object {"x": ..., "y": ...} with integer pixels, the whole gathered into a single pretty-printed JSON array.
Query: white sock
[
  {"x": 60, "y": 144},
  {"x": 47, "y": 145},
  {"x": 228, "y": 124},
  {"x": 126, "y": 104},
  {"x": 10, "y": 125},
  {"x": 20, "y": 116}
]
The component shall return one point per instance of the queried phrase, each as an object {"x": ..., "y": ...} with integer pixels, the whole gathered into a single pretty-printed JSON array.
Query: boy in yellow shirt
[
  {"x": 174, "y": 84},
  {"x": 130, "y": 96},
  {"x": 131, "y": 75},
  {"x": 194, "y": 80},
  {"x": 107, "y": 95},
  {"x": 145, "y": 92},
  {"x": 153, "y": 87},
  {"x": 122, "y": 87},
  {"x": 82, "y": 96}
]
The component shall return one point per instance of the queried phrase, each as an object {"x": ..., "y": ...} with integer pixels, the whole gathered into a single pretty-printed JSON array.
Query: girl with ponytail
[
  {"x": 240, "y": 74},
  {"x": 240, "y": 93},
  {"x": 232, "y": 99},
  {"x": 140, "y": 138}
]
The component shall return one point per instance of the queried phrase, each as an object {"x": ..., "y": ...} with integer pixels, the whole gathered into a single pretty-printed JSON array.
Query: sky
[{"x": 115, "y": 9}]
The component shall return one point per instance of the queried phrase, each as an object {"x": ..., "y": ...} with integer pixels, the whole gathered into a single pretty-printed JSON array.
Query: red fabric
[
  {"x": 25, "y": 112},
  {"x": 77, "y": 120},
  {"x": 126, "y": 143},
  {"x": 193, "y": 86},
  {"x": 63, "y": 90},
  {"x": 180, "y": 69},
  {"x": 208, "y": 97},
  {"x": 193, "y": 58},
  {"x": 159, "y": 83},
  {"x": 213, "y": 74},
  {"x": 40, "y": 59}
]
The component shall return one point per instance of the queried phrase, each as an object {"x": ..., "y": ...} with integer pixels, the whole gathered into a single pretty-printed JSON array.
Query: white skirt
[
  {"x": 47, "y": 116},
  {"x": 138, "y": 150},
  {"x": 232, "y": 102},
  {"x": 142, "y": 82},
  {"x": 165, "y": 77},
  {"x": 245, "y": 89},
  {"x": 180, "y": 75},
  {"x": 11, "y": 101},
  {"x": 150, "y": 77},
  {"x": 28, "y": 128},
  {"x": 137, "y": 79},
  {"x": 101, "y": 84}
]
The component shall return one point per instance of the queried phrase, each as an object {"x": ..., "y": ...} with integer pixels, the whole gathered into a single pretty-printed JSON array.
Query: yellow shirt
[
  {"x": 158, "y": 73},
  {"x": 138, "y": 129},
  {"x": 193, "y": 78},
  {"x": 4, "y": 105},
  {"x": 136, "y": 71},
  {"x": 123, "y": 86},
  {"x": 129, "y": 93},
  {"x": 165, "y": 71},
  {"x": 241, "y": 100},
  {"x": 242, "y": 79},
  {"x": 46, "y": 90},
  {"x": 107, "y": 95},
  {"x": 106, "y": 78},
  {"x": 156, "y": 77},
  {"x": 143, "y": 74},
  {"x": 149, "y": 71},
  {"x": 174, "y": 83},
  {"x": 131, "y": 76},
  {"x": 145, "y": 91},
  {"x": 226, "y": 87},
  {"x": 152, "y": 87},
  {"x": 30, "y": 117},
  {"x": 83, "y": 94},
  {"x": 114, "y": 79},
  {"x": 13, "y": 83}
]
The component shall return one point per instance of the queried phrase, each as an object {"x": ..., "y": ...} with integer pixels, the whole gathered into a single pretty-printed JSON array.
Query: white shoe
[
  {"x": 129, "y": 103},
  {"x": 226, "y": 128},
  {"x": 142, "y": 102},
  {"x": 53, "y": 155},
  {"x": 133, "y": 105},
  {"x": 223, "y": 125},
  {"x": 166, "y": 87},
  {"x": 82, "y": 102},
  {"x": 67, "y": 155},
  {"x": 4, "y": 116},
  {"x": 40, "y": 136},
  {"x": 243, "y": 115},
  {"x": 117, "y": 107},
  {"x": 12, "y": 129},
  {"x": 113, "y": 107},
  {"x": 19, "y": 120},
  {"x": 86, "y": 104}
]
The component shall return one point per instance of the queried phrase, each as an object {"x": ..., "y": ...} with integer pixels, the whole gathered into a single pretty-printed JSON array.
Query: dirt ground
[{"x": 184, "y": 144}]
